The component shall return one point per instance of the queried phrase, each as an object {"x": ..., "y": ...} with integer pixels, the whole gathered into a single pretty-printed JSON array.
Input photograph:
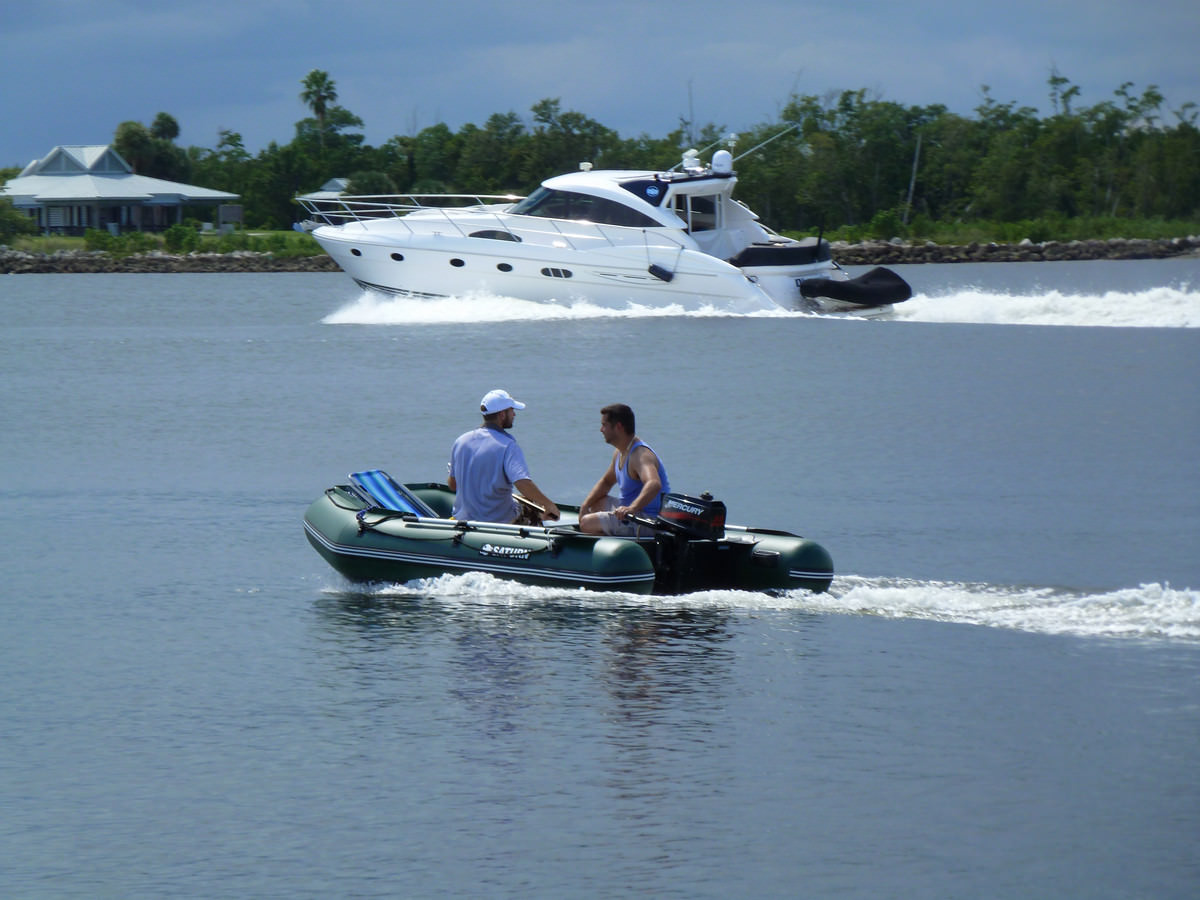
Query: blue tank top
[{"x": 630, "y": 487}]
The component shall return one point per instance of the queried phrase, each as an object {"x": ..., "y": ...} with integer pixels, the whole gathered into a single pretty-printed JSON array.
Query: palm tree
[{"x": 319, "y": 92}]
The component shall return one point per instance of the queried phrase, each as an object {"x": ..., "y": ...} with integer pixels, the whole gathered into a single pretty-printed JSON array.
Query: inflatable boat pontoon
[{"x": 375, "y": 529}]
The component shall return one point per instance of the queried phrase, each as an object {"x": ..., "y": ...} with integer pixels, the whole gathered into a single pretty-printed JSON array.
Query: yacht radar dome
[
  {"x": 585, "y": 167},
  {"x": 722, "y": 163}
]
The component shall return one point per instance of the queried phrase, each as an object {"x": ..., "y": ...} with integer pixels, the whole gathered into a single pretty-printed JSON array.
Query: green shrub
[
  {"x": 885, "y": 225},
  {"x": 14, "y": 222},
  {"x": 236, "y": 240},
  {"x": 181, "y": 239},
  {"x": 303, "y": 244},
  {"x": 921, "y": 227},
  {"x": 97, "y": 239},
  {"x": 140, "y": 241}
]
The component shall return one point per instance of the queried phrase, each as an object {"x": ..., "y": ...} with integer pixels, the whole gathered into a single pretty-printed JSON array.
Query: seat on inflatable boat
[{"x": 378, "y": 488}]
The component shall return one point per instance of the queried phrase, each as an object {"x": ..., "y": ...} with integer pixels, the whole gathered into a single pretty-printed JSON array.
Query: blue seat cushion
[{"x": 378, "y": 488}]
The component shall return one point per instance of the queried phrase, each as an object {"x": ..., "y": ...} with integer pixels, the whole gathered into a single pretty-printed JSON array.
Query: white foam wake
[
  {"x": 1156, "y": 307},
  {"x": 1147, "y": 611},
  {"x": 1150, "y": 611},
  {"x": 373, "y": 308}
]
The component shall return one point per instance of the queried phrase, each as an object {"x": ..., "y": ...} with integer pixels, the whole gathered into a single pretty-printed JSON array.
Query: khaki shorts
[{"x": 610, "y": 524}]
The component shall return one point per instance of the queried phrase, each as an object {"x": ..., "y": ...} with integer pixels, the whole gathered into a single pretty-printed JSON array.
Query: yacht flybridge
[{"x": 611, "y": 237}]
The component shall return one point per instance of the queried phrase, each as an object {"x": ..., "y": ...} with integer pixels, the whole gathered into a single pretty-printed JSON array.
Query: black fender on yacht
[{"x": 878, "y": 287}]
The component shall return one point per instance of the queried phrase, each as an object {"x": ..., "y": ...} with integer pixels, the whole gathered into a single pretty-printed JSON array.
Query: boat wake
[
  {"x": 374, "y": 308},
  {"x": 1147, "y": 612},
  {"x": 1158, "y": 307}
]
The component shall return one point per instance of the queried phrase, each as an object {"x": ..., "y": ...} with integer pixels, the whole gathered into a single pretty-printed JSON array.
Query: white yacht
[{"x": 611, "y": 237}]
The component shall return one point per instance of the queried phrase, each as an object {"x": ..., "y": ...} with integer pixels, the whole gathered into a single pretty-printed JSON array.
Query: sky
[{"x": 72, "y": 70}]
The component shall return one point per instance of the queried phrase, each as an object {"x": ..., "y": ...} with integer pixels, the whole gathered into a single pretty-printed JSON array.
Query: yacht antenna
[{"x": 767, "y": 141}]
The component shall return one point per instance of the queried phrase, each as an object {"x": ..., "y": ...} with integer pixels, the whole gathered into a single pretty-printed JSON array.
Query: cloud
[{"x": 74, "y": 70}]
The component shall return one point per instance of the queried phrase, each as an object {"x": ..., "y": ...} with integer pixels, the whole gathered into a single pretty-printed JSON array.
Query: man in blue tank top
[
  {"x": 486, "y": 463},
  {"x": 636, "y": 470}
]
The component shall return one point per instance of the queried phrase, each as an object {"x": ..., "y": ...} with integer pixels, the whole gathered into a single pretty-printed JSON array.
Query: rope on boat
[{"x": 385, "y": 515}]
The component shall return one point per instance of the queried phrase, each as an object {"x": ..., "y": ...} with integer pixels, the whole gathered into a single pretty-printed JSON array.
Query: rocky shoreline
[{"x": 895, "y": 252}]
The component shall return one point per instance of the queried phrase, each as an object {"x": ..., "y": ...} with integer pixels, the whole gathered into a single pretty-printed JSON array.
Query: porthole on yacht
[
  {"x": 457, "y": 263},
  {"x": 556, "y": 273},
  {"x": 504, "y": 267},
  {"x": 398, "y": 257}
]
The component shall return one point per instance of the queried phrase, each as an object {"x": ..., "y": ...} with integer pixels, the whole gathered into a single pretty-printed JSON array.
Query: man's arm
[
  {"x": 599, "y": 491},
  {"x": 531, "y": 491}
]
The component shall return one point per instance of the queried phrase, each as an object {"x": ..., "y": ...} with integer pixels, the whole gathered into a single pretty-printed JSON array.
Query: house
[
  {"x": 77, "y": 187},
  {"x": 330, "y": 190}
]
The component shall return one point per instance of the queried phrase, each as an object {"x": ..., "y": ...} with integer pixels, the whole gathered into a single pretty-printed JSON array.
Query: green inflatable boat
[{"x": 375, "y": 529}]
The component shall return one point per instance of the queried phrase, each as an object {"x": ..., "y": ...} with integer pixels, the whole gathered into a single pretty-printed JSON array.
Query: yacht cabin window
[
  {"x": 700, "y": 212},
  {"x": 551, "y": 204}
]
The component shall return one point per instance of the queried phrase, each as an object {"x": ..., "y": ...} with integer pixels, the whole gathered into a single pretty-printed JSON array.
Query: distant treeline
[{"x": 847, "y": 160}]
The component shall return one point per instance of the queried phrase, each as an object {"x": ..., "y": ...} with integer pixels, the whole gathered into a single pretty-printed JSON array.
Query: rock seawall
[
  {"x": 898, "y": 252},
  {"x": 85, "y": 261},
  {"x": 871, "y": 253}
]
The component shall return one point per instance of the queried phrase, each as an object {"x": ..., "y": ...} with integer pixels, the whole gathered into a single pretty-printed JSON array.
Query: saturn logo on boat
[{"x": 507, "y": 552}]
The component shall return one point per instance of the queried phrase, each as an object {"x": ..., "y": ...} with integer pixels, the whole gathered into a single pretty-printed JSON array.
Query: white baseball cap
[{"x": 497, "y": 401}]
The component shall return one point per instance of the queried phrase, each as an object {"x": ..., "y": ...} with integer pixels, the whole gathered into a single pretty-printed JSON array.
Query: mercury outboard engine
[
  {"x": 688, "y": 545},
  {"x": 701, "y": 518}
]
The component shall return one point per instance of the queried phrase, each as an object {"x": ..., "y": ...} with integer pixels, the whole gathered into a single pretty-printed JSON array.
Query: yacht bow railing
[
  {"x": 362, "y": 207},
  {"x": 492, "y": 212}
]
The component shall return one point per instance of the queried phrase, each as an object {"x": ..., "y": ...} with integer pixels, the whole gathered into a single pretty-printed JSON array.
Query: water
[{"x": 999, "y": 697}]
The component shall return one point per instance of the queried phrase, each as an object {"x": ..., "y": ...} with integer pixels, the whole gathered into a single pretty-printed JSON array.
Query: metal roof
[{"x": 94, "y": 173}]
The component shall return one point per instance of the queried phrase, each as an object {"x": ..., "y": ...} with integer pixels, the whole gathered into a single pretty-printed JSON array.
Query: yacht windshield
[{"x": 551, "y": 204}]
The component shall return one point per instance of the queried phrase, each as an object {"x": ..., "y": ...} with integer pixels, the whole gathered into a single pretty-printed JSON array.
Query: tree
[
  {"x": 951, "y": 148},
  {"x": 846, "y": 159},
  {"x": 152, "y": 151},
  {"x": 319, "y": 92},
  {"x": 436, "y": 153},
  {"x": 371, "y": 182},
  {"x": 397, "y": 157},
  {"x": 164, "y": 127},
  {"x": 277, "y": 175},
  {"x": 562, "y": 140},
  {"x": 337, "y": 149},
  {"x": 1000, "y": 182},
  {"x": 488, "y": 159},
  {"x": 13, "y": 221},
  {"x": 224, "y": 168},
  {"x": 135, "y": 143}
]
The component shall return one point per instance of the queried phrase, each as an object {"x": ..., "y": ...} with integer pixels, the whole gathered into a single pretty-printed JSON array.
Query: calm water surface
[{"x": 999, "y": 697}]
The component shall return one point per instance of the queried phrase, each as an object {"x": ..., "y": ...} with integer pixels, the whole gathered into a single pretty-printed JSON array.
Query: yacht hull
[{"x": 440, "y": 265}]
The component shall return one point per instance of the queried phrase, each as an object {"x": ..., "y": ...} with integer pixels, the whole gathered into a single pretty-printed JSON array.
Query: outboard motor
[
  {"x": 689, "y": 550},
  {"x": 700, "y": 518}
]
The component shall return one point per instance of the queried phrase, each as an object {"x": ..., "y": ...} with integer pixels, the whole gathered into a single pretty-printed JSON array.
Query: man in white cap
[{"x": 486, "y": 464}]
